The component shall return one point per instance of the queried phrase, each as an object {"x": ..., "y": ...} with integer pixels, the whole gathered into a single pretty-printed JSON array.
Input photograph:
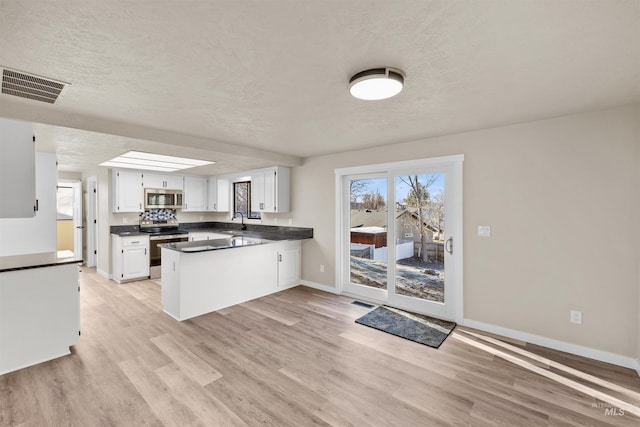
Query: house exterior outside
[{"x": 369, "y": 234}]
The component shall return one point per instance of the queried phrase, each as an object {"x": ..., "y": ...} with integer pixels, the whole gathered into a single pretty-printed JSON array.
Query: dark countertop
[
  {"x": 45, "y": 259},
  {"x": 270, "y": 232},
  {"x": 231, "y": 242}
]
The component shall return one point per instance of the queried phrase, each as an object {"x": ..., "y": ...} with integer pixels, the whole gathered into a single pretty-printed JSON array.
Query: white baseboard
[
  {"x": 103, "y": 274},
  {"x": 591, "y": 353},
  {"x": 319, "y": 287}
]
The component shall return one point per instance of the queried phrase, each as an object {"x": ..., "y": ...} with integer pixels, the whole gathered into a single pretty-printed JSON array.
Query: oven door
[{"x": 155, "y": 252}]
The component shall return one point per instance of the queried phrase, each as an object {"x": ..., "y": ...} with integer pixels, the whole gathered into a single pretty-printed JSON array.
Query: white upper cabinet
[
  {"x": 127, "y": 191},
  {"x": 36, "y": 234},
  {"x": 17, "y": 169},
  {"x": 270, "y": 190},
  {"x": 165, "y": 181},
  {"x": 218, "y": 195},
  {"x": 194, "y": 196}
]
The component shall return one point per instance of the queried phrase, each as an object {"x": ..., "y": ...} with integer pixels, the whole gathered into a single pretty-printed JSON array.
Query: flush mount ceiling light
[
  {"x": 154, "y": 162},
  {"x": 377, "y": 83}
]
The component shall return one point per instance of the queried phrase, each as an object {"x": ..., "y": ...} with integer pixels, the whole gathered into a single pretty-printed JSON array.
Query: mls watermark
[{"x": 611, "y": 410}]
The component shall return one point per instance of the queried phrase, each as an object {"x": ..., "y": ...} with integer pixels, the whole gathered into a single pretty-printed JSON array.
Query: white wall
[
  {"x": 38, "y": 234},
  {"x": 562, "y": 199}
]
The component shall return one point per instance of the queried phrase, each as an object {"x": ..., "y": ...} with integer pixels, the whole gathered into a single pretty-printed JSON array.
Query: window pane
[
  {"x": 65, "y": 202},
  {"x": 242, "y": 199},
  {"x": 368, "y": 232},
  {"x": 419, "y": 236}
]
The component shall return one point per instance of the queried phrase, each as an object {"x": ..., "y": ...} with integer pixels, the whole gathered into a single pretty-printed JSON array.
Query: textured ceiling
[{"x": 251, "y": 83}]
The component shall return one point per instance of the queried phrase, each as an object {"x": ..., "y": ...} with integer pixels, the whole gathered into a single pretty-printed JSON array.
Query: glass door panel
[
  {"x": 397, "y": 229},
  {"x": 368, "y": 232},
  {"x": 419, "y": 232}
]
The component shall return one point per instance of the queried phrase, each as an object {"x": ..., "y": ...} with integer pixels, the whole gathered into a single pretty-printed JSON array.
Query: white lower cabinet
[
  {"x": 196, "y": 283},
  {"x": 288, "y": 267},
  {"x": 130, "y": 257},
  {"x": 39, "y": 315}
]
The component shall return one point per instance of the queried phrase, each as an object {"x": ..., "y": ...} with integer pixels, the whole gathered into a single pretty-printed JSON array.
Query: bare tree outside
[
  {"x": 435, "y": 212},
  {"x": 357, "y": 188},
  {"x": 373, "y": 200},
  {"x": 418, "y": 198}
]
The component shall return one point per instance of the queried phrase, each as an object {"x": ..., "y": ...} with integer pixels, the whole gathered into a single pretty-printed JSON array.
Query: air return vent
[{"x": 31, "y": 87}]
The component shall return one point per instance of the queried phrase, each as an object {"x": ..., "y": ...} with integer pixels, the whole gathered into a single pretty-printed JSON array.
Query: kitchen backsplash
[{"x": 158, "y": 214}]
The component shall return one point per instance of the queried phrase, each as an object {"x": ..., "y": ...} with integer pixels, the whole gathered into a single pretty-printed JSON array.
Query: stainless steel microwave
[{"x": 159, "y": 198}]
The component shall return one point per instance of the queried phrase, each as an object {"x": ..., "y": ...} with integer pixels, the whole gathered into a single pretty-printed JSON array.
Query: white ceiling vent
[{"x": 30, "y": 86}]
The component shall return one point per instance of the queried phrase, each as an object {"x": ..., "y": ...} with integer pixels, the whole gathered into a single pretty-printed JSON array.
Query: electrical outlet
[
  {"x": 575, "y": 316},
  {"x": 290, "y": 221},
  {"x": 484, "y": 231},
  {"x": 321, "y": 268}
]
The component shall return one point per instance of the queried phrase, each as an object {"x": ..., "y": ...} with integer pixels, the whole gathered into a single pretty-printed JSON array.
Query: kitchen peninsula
[
  {"x": 199, "y": 277},
  {"x": 39, "y": 308}
]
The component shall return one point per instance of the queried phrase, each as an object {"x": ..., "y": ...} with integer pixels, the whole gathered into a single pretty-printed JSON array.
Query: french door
[{"x": 400, "y": 234}]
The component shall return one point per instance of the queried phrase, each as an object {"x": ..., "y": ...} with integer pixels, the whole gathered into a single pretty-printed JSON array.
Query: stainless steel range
[{"x": 162, "y": 229}]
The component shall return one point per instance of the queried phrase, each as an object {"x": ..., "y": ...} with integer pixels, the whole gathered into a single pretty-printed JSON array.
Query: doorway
[
  {"x": 69, "y": 217},
  {"x": 400, "y": 235}
]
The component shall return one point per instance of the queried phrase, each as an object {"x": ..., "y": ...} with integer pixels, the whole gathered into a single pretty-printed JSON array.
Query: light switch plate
[
  {"x": 484, "y": 231},
  {"x": 575, "y": 316}
]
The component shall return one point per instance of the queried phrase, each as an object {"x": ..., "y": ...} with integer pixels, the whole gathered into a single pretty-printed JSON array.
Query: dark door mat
[{"x": 412, "y": 326}]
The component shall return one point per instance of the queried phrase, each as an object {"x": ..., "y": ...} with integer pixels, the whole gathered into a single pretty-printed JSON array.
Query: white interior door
[{"x": 401, "y": 235}]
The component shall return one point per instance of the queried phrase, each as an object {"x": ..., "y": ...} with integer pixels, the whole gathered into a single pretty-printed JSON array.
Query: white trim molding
[
  {"x": 591, "y": 353},
  {"x": 320, "y": 287},
  {"x": 103, "y": 273},
  {"x": 451, "y": 167}
]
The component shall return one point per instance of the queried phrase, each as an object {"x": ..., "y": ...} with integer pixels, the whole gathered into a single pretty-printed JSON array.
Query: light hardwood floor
[{"x": 298, "y": 358}]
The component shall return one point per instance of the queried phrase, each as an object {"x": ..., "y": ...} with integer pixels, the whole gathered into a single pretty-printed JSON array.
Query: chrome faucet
[{"x": 243, "y": 227}]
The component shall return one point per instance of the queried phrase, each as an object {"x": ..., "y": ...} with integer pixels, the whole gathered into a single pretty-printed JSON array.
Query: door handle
[{"x": 448, "y": 245}]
